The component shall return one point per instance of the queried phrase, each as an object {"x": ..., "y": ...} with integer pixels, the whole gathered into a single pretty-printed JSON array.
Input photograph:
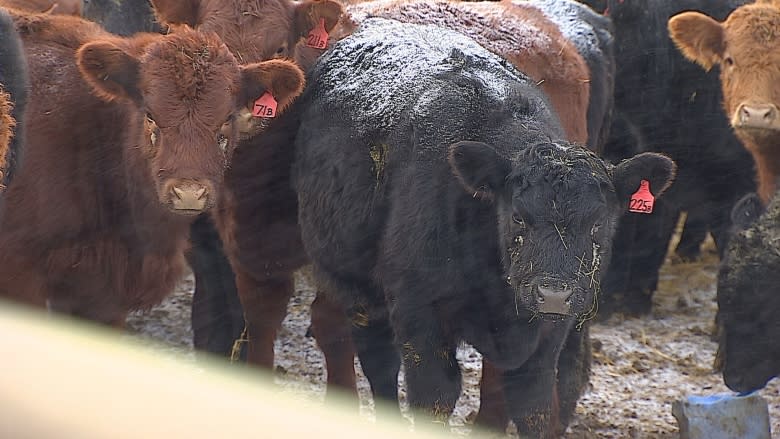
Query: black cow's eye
[
  {"x": 595, "y": 229},
  {"x": 518, "y": 220}
]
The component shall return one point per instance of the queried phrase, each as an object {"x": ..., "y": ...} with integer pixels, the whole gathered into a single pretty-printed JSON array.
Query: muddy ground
[{"x": 640, "y": 365}]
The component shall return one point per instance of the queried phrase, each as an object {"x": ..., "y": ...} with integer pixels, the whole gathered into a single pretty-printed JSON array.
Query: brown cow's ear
[
  {"x": 700, "y": 38},
  {"x": 658, "y": 169},
  {"x": 112, "y": 72},
  {"x": 177, "y": 12},
  {"x": 282, "y": 78},
  {"x": 309, "y": 12}
]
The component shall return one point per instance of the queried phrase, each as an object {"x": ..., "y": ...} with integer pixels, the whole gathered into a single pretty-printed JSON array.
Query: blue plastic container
[{"x": 723, "y": 416}]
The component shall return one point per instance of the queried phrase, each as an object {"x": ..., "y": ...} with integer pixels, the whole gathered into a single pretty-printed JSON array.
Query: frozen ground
[{"x": 640, "y": 365}]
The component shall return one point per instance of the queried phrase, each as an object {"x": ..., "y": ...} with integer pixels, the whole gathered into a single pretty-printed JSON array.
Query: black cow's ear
[
  {"x": 746, "y": 211},
  {"x": 658, "y": 169},
  {"x": 479, "y": 168}
]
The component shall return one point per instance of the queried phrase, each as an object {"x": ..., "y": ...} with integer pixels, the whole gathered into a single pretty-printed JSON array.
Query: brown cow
[
  {"x": 61, "y": 7},
  {"x": 519, "y": 33},
  {"x": 254, "y": 30},
  {"x": 128, "y": 139},
  {"x": 747, "y": 48}
]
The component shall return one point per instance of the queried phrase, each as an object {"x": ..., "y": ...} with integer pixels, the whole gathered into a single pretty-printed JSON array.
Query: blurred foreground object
[
  {"x": 722, "y": 417},
  {"x": 67, "y": 379}
]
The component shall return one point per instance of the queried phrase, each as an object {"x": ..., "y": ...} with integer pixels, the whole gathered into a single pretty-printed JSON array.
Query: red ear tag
[
  {"x": 265, "y": 106},
  {"x": 642, "y": 201},
  {"x": 318, "y": 37}
]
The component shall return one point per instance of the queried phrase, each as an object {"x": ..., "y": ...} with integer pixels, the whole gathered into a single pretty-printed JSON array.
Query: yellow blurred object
[{"x": 66, "y": 379}]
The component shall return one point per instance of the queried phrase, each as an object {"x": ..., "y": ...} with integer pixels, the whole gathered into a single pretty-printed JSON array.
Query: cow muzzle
[
  {"x": 553, "y": 298},
  {"x": 756, "y": 116},
  {"x": 188, "y": 197}
]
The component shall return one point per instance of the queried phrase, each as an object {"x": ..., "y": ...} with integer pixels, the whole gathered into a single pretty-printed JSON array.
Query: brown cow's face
[
  {"x": 747, "y": 48},
  {"x": 254, "y": 30},
  {"x": 188, "y": 92}
]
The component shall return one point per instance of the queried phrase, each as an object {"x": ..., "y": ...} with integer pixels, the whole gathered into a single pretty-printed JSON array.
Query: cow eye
[
  {"x": 729, "y": 61},
  {"x": 595, "y": 229},
  {"x": 518, "y": 220},
  {"x": 150, "y": 119}
]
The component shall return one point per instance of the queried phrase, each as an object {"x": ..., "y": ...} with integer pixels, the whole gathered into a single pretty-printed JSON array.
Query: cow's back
[
  {"x": 522, "y": 35},
  {"x": 592, "y": 35}
]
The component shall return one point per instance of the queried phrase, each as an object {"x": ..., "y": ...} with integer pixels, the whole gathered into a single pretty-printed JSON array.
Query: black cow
[
  {"x": 122, "y": 17},
  {"x": 668, "y": 104},
  {"x": 439, "y": 204},
  {"x": 749, "y": 298},
  {"x": 15, "y": 84}
]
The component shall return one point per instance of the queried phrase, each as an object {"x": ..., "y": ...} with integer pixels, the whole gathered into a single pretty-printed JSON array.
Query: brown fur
[
  {"x": 519, "y": 33},
  {"x": 7, "y": 124},
  {"x": 747, "y": 48},
  {"x": 62, "y": 7},
  {"x": 89, "y": 224},
  {"x": 253, "y": 30}
]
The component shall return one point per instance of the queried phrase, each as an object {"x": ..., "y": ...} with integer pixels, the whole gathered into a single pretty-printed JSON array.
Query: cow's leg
[
  {"x": 639, "y": 249},
  {"x": 217, "y": 315},
  {"x": 433, "y": 377},
  {"x": 379, "y": 359},
  {"x": 573, "y": 371},
  {"x": 332, "y": 330},
  {"x": 693, "y": 235},
  {"x": 530, "y": 390},
  {"x": 265, "y": 306},
  {"x": 492, "y": 406}
]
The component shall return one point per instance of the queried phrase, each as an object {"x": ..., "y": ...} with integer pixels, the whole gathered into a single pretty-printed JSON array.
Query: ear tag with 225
[{"x": 642, "y": 201}]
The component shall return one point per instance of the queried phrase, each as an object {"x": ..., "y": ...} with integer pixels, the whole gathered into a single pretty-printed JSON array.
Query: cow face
[
  {"x": 187, "y": 91},
  {"x": 748, "y": 300},
  {"x": 557, "y": 207},
  {"x": 254, "y": 30},
  {"x": 747, "y": 48}
]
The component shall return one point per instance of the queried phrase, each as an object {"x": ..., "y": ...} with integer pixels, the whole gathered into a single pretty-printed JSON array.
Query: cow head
[
  {"x": 747, "y": 48},
  {"x": 557, "y": 207},
  {"x": 186, "y": 92},
  {"x": 748, "y": 299},
  {"x": 254, "y": 30}
]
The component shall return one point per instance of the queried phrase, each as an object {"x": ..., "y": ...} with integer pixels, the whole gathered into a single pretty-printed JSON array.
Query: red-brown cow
[
  {"x": 254, "y": 30},
  {"x": 128, "y": 139},
  {"x": 747, "y": 48},
  {"x": 62, "y": 7},
  {"x": 262, "y": 240}
]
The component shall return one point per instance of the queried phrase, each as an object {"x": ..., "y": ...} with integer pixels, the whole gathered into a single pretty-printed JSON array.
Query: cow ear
[
  {"x": 282, "y": 78},
  {"x": 177, "y": 12},
  {"x": 658, "y": 169},
  {"x": 112, "y": 72},
  {"x": 479, "y": 168},
  {"x": 746, "y": 211},
  {"x": 308, "y": 14},
  {"x": 700, "y": 38}
]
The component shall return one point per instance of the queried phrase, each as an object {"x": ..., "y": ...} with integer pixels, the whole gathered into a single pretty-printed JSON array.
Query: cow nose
[
  {"x": 189, "y": 196},
  {"x": 554, "y": 300},
  {"x": 757, "y": 116}
]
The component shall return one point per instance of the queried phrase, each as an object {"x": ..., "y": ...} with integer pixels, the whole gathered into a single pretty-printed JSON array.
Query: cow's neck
[{"x": 767, "y": 158}]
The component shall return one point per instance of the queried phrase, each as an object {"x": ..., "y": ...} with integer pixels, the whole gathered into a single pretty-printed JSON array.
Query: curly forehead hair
[
  {"x": 556, "y": 161},
  {"x": 193, "y": 58}
]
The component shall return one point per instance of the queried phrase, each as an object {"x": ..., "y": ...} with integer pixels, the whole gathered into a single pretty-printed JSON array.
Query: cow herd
[{"x": 495, "y": 173}]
